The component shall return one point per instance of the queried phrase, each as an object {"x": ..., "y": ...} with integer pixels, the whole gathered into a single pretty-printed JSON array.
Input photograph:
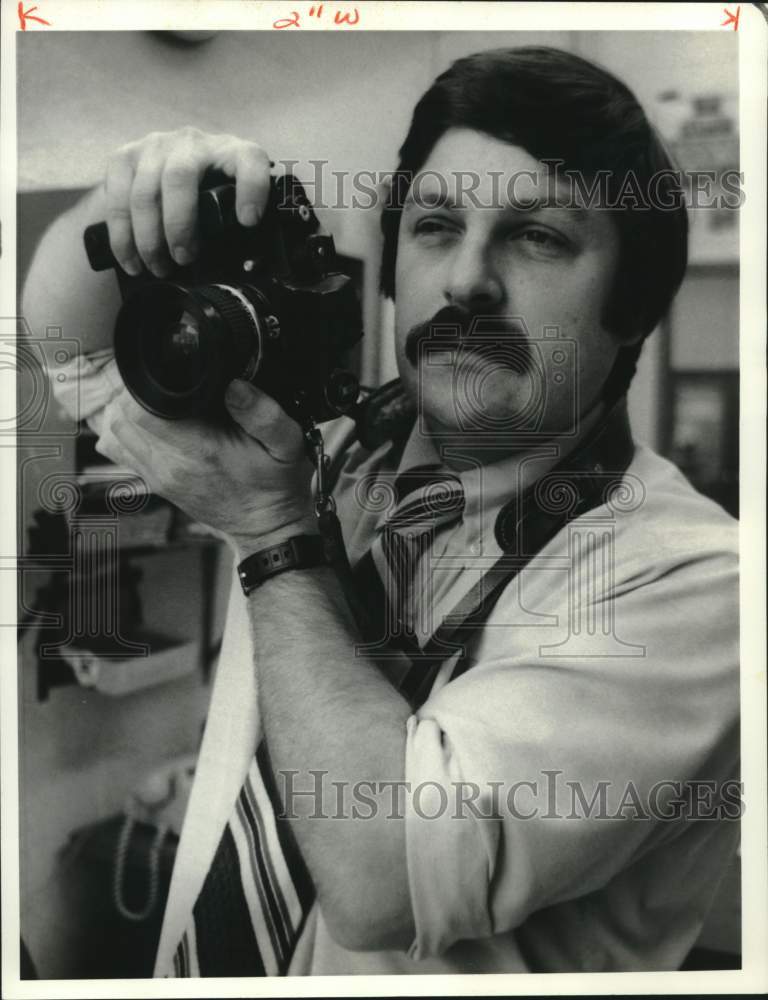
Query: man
[{"x": 531, "y": 803}]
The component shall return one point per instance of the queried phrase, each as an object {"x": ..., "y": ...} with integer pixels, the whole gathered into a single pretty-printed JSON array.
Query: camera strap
[
  {"x": 582, "y": 481},
  {"x": 589, "y": 477},
  {"x": 325, "y": 509}
]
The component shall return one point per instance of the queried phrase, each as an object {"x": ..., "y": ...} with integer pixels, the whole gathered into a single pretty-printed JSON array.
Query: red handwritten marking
[
  {"x": 288, "y": 22},
  {"x": 27, "y": 15},
  {"x": 340, "y": 18},
  {"x": 732, "y": 18}
]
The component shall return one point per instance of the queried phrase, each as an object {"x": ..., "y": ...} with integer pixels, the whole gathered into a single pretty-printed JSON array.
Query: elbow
[{"x": 369, "y": 923}]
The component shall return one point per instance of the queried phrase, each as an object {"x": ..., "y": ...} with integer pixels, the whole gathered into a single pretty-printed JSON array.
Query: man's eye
[
  {"x": 430, "y": 227},
  {"x": 540, "y": 242},
  {"x": 542, "y": 237}
]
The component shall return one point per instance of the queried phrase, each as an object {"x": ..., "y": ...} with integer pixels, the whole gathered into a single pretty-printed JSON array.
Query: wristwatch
[{"x": 298, "y": 552}]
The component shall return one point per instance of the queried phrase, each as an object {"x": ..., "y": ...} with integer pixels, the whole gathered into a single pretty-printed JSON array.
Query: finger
[
  {"x": 149, "y": 435},
  {"x": 141, "y": 432},
  {"x": 132, "y": 446},
  {"x": 252, "y": 183},
  {"x": 262, "y": 418},
  {"x": 117, "y": 188},
  {"x": 112, "y": 448},
  {"x": 133, "y": 414},
  {"x": 131, "y": 441},
  {"x": 249, "y": 164},
  {"x": 127, "y": 426},
  {"x": 146, "y": 211},
  {"x": 109, "y": 446},
  {"x": 180, "y": 184}
]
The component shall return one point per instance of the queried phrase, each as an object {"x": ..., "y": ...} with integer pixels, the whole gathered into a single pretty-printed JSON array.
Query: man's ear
[
  {"x": 387, "y": 274},
  {"x": 631, "y": 336},
  {"x": 384, "y": 189},
  {"x": 626, "y": 331}
]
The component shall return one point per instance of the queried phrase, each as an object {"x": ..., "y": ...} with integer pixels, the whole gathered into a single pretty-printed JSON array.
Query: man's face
[{"x": 542, "y": 269}]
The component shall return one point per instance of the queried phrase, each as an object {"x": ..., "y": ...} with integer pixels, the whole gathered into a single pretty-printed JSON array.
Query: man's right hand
[{"x": 151, "y": 191}]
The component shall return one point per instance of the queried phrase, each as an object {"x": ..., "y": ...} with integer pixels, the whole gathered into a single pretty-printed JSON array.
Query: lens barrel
[{"x": 178, "y": 348}]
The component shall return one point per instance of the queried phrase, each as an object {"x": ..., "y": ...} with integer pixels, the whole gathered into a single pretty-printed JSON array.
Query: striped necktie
[
  {"x": 257, "y": 893},
  {"x": 428, "y": 500}
]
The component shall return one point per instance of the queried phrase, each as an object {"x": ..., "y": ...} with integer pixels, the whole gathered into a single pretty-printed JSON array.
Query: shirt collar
[{"x": 487, "y": 487}]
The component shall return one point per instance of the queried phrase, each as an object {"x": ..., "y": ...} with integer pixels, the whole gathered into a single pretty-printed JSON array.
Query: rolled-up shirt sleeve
[
  {"x": 86, "y": 384},
  {"x": 503, "y": 762},
  {"x": 451, "y": 861}
]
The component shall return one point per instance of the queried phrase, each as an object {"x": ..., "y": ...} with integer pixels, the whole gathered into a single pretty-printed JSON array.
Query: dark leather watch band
[{"x": 298, "y": 552}]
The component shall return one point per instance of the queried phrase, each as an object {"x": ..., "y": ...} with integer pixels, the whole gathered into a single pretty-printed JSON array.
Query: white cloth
[
  {"x": 85, "y": 385},
  {"x": 613, "y": 658}
]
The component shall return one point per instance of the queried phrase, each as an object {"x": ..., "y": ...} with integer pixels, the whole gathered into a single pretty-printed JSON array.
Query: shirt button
[{"x": 475, "y": 548}]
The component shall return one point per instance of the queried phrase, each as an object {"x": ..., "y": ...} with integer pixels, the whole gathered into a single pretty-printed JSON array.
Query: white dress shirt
[{"x": 609, "y": 666}]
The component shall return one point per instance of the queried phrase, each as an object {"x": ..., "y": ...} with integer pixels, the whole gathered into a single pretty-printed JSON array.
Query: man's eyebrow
[
  {"x": 574, "y": 213},
  {"x": 530, "y": 205},
  {"x": 443, "y": 199}
]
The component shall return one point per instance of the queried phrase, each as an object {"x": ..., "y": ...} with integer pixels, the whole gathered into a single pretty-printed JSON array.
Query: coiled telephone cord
[{"x": 153, "y": 876}]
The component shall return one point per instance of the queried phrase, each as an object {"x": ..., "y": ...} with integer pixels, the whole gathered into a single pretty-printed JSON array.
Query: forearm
[
  {"x": 326, "y": 709},
  {"x": 61, "y": 290}
]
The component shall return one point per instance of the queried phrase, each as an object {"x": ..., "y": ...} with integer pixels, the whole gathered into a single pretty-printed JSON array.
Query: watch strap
[{"x": 298, "y": 552}]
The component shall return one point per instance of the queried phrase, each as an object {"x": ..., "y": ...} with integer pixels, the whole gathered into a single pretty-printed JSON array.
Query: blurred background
[{"x": 121, "y": 742}]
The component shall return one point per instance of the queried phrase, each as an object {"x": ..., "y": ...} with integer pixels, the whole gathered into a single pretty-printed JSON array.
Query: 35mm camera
[{"x": 266, "y": 304}]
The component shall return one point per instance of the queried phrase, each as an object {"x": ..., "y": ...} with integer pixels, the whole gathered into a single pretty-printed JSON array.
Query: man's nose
[{"x": 473, "y": 281}]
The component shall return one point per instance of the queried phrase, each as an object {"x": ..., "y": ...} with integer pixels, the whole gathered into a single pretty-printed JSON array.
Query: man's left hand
[{"x": 249, "y": 480}]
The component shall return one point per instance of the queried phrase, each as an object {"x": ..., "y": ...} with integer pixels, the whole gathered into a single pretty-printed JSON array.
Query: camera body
[{"x": 265, "y": 304}]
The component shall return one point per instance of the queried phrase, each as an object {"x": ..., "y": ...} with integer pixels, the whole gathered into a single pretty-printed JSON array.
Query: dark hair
[{"x": 558, "y": 106}]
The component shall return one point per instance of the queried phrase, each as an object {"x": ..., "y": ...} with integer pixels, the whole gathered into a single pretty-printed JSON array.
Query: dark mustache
[{"x": 482, "y": 333}]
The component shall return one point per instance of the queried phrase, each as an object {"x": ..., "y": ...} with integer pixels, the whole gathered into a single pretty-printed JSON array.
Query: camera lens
[
  {"x": 177, "y": 348},
  {"x": 176, "y": 354}
]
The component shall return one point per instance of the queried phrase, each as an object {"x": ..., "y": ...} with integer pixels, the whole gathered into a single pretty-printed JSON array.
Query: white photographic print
[{"x": 383, "y": 451}]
